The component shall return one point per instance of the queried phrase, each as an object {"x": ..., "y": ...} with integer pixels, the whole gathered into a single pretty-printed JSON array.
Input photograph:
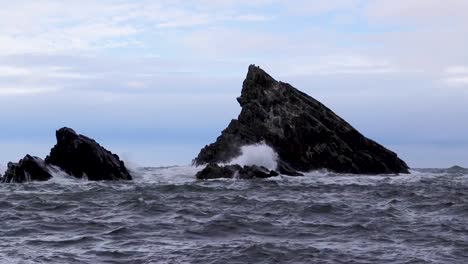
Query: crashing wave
[{"x": 260, "y": 155}]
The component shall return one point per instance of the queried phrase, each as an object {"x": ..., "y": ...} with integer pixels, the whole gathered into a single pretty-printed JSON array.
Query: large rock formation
[
  {"x": 305, "y": 133},
  {"x": 214, "y": 171},
  {"x": 26, "y": 170},
  {"x": 81, "y": 157}
]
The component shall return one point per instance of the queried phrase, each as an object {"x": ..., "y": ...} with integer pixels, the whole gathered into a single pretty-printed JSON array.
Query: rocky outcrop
[
  {"x": 83, "y": 157},
  {"x": 75, "y": 154},
  {"x": 26, "y": 170},
  {"x": 214, "y": 171},
  {"x": 305, "y": 133}
]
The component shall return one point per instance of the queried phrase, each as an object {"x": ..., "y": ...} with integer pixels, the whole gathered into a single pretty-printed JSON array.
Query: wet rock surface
[{"x": 305, "y": 133}]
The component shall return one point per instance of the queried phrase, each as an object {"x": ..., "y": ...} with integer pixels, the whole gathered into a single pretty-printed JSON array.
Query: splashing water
[
  {"x": 257, "y": 154},
  {"x": 2, "y": 169}
]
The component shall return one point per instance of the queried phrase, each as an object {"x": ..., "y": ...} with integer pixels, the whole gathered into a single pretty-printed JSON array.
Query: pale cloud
[
  {"x": 26, "y": 91},
  {"x": 458, "y": 81},
  {"x": 307, "y": 7},
  {"x": 11, "y": 71},
  {"x": 457, "y": 70},
  {"x": 341, "y": 65},
  {"x": 136, "y": 84},
  {"x": 42, "y": 72},
  {"x": 420, "y": 12},
  {"x": 58, "y": 26},
  {"x": 222, "y": 41},
  {"x": 456, "y": 76}
]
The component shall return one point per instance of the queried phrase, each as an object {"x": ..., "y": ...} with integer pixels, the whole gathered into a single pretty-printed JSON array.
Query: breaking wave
[{"x": 257, "y": 154}]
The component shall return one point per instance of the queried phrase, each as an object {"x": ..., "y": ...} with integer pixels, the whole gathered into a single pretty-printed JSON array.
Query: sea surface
[{"x": 166, "y": 216}]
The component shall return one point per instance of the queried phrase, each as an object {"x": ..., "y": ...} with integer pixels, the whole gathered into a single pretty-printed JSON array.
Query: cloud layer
[{"x": 168, "y": 72}]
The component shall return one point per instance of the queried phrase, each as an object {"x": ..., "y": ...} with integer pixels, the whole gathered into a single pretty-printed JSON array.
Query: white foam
[
  {"x": 258, "y": 154},
  {"x": 130, "y": 164},
  {"x": 165, "y": 175},
  {"x": 61, "y": 177},
  {"x": 2, "y": 169}
]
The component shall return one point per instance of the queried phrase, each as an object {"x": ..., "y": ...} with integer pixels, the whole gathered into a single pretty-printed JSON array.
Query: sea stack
[
  {"x": 83, "y": 157},
  {"x": 305, "y": 133}
]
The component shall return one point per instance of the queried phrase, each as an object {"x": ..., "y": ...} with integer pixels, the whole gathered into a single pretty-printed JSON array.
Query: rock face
[
  {"x": 26, "y": 170},
  {"x": 305, "y": 133},
  {"x": 81, "y": 157},
  {"x": 214, "y": 171}
]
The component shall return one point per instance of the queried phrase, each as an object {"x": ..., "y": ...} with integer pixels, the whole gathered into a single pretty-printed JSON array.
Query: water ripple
[{"x": 166, "y": 216}]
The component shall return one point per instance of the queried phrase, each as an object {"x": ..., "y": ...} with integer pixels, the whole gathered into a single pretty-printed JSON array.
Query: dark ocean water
[{"x": 166, "y": 216}]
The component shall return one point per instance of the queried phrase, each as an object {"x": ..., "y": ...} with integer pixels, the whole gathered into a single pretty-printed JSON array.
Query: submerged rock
[
  {"x": 214, "y": 171},
  {"x": 305, "y": 133},
  {"x": 26, "y": 170},
  {"x": 83, "y": 157},
  {"x": 250, "y": 172}
]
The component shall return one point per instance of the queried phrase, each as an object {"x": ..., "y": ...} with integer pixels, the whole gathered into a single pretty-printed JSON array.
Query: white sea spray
[
  {"x": 257, "y": 154},
  {"x": 2, "y": 169}
]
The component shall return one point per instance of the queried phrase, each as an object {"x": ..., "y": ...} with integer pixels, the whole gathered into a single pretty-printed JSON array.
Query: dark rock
[
  {"x": 81, "y": 157},
  {"x": 285, "y": 169},
  {"x": 251, "y": 172},
  {"x": 305, "y": 133},
  {"x": 214, "y": 171},
  {"x": 26, "y": 170}
]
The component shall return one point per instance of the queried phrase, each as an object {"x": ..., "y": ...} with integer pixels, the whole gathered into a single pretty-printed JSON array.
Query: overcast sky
[{"x": 154, "y": 81}]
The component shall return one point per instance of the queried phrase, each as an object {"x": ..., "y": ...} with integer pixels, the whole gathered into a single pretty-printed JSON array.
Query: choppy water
[{"x": 166, "y": 216}]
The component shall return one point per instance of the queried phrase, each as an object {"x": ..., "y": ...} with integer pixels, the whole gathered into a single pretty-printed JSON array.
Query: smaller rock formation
[
  {"x": 83, "y": 157},
  {"x": 26, "y": 170},
  {"x": 214, "y": 171}
]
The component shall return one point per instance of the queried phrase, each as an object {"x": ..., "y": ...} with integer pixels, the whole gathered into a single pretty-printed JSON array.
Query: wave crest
[{"x": 257, "y": 154}]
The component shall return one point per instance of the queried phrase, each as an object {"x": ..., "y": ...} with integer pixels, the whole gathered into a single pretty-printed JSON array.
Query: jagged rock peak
[
  {"x": 256, "y": 81},
  {"x": 256, "y": 74}
]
